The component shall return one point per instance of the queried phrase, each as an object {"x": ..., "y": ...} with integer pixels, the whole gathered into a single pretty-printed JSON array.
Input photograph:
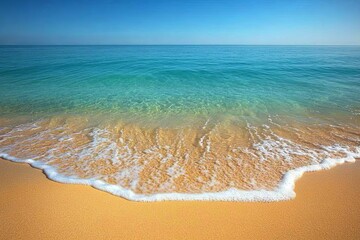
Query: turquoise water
[
  {"x": 151, "y": 123},
  {"x": 156, "y": 82}
]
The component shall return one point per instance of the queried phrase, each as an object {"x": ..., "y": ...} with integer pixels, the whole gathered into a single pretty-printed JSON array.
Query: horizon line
[{"x": 215, "y": 44}]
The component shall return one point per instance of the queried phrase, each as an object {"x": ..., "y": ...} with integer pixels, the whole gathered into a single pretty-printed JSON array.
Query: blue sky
[{"x": 180, "y": 22}]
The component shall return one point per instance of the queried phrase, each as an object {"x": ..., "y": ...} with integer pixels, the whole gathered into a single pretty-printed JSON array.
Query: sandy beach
[
  {"x": 327, "y": 206},
  {"x": 180, "y": 120}
]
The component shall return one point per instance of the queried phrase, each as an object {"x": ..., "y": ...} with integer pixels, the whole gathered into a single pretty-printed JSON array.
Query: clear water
[
  {"x": 172, "y": 81},
  {"x": 229, "y": 121}
]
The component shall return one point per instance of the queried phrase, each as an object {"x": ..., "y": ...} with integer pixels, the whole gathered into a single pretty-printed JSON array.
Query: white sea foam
[
  {"x": 284, "y": 191},
  {"x": 102, "y": 156}
]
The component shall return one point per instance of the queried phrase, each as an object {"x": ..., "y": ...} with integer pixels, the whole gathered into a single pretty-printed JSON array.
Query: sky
[{"x": 329, "y": 22}]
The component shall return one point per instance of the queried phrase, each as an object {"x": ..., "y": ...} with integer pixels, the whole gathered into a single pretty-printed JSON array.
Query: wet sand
[
  {"x": 205, "y": 158},
  {"x": 327, "y": 206}
]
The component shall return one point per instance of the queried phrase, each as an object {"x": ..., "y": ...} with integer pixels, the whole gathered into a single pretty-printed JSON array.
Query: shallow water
[{"x": 181, "y": 122}]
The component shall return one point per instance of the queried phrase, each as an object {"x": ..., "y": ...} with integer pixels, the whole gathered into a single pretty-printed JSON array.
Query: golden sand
[{"x": 327, "y": 206}]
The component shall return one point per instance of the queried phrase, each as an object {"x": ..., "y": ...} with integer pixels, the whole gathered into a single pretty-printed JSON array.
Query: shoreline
[
  {"x": 283, "y": 192},
  {"x": 327, "y": 206},
  {"x": 220, "y": 163}
]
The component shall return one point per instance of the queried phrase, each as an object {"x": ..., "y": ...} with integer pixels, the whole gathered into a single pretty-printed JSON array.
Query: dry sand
[{"x": 327, "y": 206}]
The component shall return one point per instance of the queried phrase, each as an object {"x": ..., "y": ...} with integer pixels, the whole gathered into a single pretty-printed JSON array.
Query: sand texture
[{"x": 327, "y": 206}]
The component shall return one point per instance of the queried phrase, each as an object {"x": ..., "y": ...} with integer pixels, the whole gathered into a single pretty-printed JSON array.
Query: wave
[
  {"x": 213, "y": 161},
  {"x": 285, "y": 190}
]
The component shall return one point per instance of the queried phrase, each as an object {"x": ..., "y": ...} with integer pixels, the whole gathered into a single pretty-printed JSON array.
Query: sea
[{"x": 181, "y": 122}]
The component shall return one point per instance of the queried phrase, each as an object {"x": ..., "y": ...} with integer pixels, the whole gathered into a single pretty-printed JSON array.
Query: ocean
[{"x": 151, "y": 123}]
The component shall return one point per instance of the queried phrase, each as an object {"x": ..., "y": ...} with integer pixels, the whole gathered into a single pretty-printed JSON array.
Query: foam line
[{"x": 284, "y": 191}]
